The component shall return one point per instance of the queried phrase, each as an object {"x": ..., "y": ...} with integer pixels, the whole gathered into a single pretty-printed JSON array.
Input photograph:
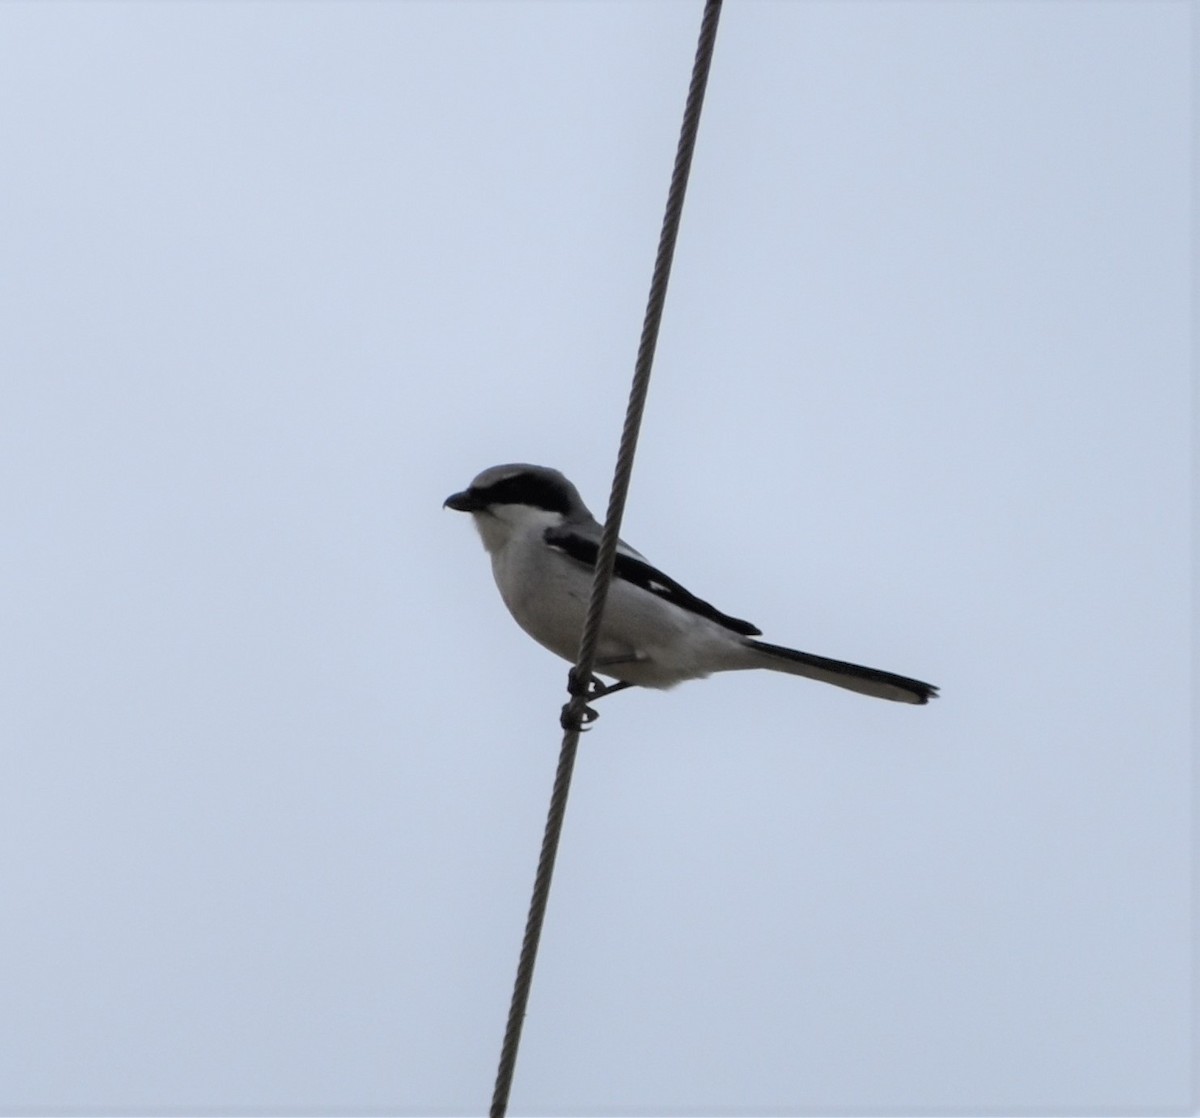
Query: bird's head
[{"x": 505, "y": 500}]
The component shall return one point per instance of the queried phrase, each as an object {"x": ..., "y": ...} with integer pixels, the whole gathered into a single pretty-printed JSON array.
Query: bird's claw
[
  {"x": 586, "y": 717},
  {"x": 581, "y": 686}
]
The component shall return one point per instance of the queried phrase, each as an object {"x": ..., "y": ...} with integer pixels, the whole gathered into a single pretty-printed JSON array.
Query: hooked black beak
[{"x": 466, "y": 501}]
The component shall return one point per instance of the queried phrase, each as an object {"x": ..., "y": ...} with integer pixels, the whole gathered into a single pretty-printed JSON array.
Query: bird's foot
[
  {"x": 589, "y": 688},
  {"x": 586, "y": 717}
]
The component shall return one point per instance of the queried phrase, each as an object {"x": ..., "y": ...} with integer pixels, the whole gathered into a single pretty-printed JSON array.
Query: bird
[{"x": 543, "y": 542}]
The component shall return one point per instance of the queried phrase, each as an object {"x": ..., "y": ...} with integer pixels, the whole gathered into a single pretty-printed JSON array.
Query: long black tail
[{"x": 854, "y": 677}]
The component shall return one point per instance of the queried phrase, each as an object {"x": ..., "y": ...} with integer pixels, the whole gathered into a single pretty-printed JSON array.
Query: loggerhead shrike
[{"x": 543, "y": 543}]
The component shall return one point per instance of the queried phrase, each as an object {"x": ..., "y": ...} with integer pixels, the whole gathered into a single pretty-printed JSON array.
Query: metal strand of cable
[{"x": 605, "y": 559}]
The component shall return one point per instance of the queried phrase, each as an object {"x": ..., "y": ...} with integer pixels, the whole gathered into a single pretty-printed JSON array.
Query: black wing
[{"x": 640, "y": 573}]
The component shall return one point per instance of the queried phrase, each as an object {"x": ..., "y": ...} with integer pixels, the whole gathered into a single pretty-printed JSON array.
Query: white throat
[{"x": 501, "y": 523}]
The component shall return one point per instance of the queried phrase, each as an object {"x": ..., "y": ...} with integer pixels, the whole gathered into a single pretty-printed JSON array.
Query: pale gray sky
[{"x": 280, "y": 277}]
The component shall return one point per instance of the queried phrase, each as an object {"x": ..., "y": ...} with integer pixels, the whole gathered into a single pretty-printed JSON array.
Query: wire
[{"x": 581, "y": 673}]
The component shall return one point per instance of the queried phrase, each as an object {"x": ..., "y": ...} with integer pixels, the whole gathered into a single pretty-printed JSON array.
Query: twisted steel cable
[{"x": 575, "y": 710}]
